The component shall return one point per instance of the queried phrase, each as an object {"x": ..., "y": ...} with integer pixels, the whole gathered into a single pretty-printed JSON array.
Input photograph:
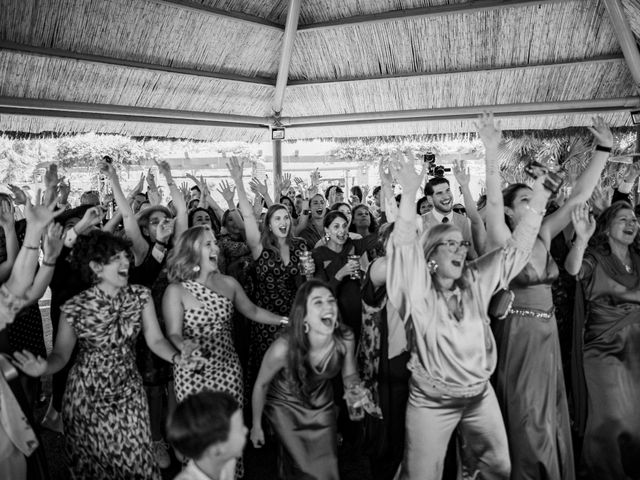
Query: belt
[{"x": 523, "y": 312}]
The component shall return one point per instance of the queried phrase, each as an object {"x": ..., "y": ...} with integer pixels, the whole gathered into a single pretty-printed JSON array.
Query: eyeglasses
[{"x": 453, "y": 245}]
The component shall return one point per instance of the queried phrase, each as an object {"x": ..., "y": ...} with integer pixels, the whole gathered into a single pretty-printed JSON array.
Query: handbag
[{"x": 501, "y": 303}]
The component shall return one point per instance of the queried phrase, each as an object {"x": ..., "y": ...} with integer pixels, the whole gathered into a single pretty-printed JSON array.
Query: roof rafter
[
  {"x": 568, "y": 63},
  {"x": 626, "y": 38},
  {"x": 217, "y": 12},
  {"x": 84, "y": 57},
  {"x": 468, "y": 112},
  {"x": 425, "y": 12},
  {"x": 115, "y": 112}
]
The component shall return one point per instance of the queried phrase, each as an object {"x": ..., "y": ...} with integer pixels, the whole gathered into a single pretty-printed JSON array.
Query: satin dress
[
  {"x": 530, "y": 382},
  {"x": 306, "y": 431},
  {"x": 611, "y": 356}
]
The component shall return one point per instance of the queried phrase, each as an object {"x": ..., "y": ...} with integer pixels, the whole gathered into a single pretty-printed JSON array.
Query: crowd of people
[{"x": 440, "y": 340}]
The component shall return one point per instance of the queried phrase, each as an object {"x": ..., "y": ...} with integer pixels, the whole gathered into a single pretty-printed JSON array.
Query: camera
[
  {"x": 107, "y": 159},
  {"x": 554, "y": 179},
  {"x": 434, "y": 170}
]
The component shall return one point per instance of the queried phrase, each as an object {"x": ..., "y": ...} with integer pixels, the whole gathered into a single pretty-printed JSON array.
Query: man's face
[{"x": 442, "y": 199}]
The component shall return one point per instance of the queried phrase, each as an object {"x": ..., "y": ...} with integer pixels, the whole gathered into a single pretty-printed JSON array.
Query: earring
[
  {"x": 432, "y": 265},
  {"x": 196, "y": 268},
  {"x": 326, "y": 238},
  {"x": 306, "y": 327}
]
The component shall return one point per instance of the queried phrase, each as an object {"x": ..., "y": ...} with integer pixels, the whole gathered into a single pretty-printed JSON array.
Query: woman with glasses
[
  {"x": 607, "y": 339},
  {"x": 529, "y": 379},
  {"x": 453, "y": 353}
]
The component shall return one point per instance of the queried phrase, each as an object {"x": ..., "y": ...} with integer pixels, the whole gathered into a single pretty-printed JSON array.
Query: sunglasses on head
[{"x": 459, "y": 210}]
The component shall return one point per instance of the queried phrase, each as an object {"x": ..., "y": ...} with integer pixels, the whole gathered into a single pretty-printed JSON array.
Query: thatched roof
[{"x": 206, "y": 69}]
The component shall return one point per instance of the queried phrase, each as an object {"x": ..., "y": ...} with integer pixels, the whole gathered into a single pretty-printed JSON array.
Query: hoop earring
[
  {"x": 306, "y": 327},
  {"x": 432, "y": 266},
  {"x": 196, "y": 268}
]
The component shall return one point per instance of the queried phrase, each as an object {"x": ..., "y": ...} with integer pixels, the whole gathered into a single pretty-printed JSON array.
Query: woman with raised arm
[
  {"x": 607, "y": 340},
  {"x": 105, "y": 414},
  {"x": 453, "y": 353},
  {"x": 277, "y": 256},
  {"x": 294, "y": 386},
  {"x": 529, "y": 379}
]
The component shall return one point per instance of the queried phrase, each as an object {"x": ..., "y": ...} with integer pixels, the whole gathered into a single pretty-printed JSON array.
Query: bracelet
[
  {"x": 284, "y": 321},
  {"x": 48, "y": 264},
  {"x": 29, "y": 247},
  {"x": 537, "y": 212},
  {"x": 602, "y": 148},
  {"x": 173, "y": 357}
]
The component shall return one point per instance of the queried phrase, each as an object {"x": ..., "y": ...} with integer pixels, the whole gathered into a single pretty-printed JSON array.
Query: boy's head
[{"x": 208, "y": 424}]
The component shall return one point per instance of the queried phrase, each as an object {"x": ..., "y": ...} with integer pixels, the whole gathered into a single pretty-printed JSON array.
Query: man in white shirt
[{"x": 438, "y": 190}]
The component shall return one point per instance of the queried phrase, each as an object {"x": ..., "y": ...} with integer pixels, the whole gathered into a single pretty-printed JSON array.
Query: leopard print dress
[{"x": 105, "y": 411}]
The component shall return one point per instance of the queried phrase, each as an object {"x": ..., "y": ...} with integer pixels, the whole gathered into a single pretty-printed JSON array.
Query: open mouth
[
  {"x": 320, "y": 211},
  {"x": 283, "y": 229},
  {"x": 123, "y": 273},
  {"x": 629, "y": 231},
  {"x": 328, "y": 321}
]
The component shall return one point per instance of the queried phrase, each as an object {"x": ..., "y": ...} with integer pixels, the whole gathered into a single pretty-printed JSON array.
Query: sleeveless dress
[
  {"x": 274, "y": 290},
  {"x": 210, "y": 327},
  {"x": 530, "y": 381},
  {"x": 105, "y": 412},
  {"x": 307, "y": 432},
  {"x": 610, "y": 350}
]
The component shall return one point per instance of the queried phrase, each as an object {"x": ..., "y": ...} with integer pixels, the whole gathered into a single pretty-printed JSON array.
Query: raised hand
[
  {"x": 151, "y": 180},
  {"x": 53, "y": 241},
  {"x": 384, "y": 169},
  {"x": 405, "y": 172},
  {"x": 51, "y": 176},
  {"x": 29, "y": 363},
  {"x": 601, "y": 132},
  {"x": 236, "y": 169},
  {"x": 39, "y": 214},
  {"x": 299, "y": 182},
  {"x": 315, "y": 177},
  {"x": 194, "y": 180},
  {"x": 632, "y": 172},
  {"x": 64, "y": 189},
  {"x": 489, "y": 130},
  {"x": 186, "y": 192},
  {"x": 227, "y": 191},
  {"x": 19, "y": 197},
  {"x": 583, "y": 222},
  {"x": 258, "y": 187},
  {"x": 139, "y": 186},
  {"x": 461, "y": 173},
  {"x": 286, "y": 182},
  {"x": 165, "y": 170}
]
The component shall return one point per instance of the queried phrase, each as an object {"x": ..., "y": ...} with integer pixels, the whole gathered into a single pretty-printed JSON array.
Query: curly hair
[
  {"x": 185, "y": 256},
  {"x": 96, "y": 246},
  {"x": 600, "y": 239},
  {"x": 298, "y": 361}
]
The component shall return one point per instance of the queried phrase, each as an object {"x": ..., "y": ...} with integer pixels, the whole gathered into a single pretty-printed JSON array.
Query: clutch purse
[{"x": 501, "y": 303}]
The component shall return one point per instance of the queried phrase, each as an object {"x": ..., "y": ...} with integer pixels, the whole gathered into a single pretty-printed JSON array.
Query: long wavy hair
[
  {"x": 430, "y": 241},
  {"x": 600, "y": 238},
  {"x": 267, "y": 237},
  {"x": 185, "y": 256},
  {"x": 292, "y": 212},
  {"x": 298, "y": 362}
]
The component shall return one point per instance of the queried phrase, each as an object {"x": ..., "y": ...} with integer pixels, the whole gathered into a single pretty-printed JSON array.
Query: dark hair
[
  {"x": 298, "y": 362},
  {"x": 96, "y": 246},
  {"x": 434, "y": 182},
  {"x": 293, "y": 212},
  {"x": 373, "y": 225},
  {"x": 337, "y": 205},
  {"x": 357, "y": 191},
  {"x": 420, "y": 202},
  {"x": 509, "y": 196},
  {"x": 375, "y": 190},
  {"x": 600, "y": 240},
  {"x": 383, "y": 237},
  {"x": 331, "y": 216},
  {"x": 201, "y": 420},
  {"x": 196, "y": 210},
  {"x": 398, "y": 198},
  {"x": 267, "y": 238},
  {"x": 328, "y": 190}
]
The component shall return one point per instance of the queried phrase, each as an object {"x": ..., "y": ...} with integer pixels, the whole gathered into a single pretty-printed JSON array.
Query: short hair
[
  {"x": 90, "y": 197},
  {"x": 357, "y": 191},
  {"x": 193, "y": 212},
  {"x": 376, "y": 190},
  {"x": 420, "y": 202},
  {"x": 434, "y": 182},
  {"x": 96, "y": 246},
  {"x": 201, "y": 420}
]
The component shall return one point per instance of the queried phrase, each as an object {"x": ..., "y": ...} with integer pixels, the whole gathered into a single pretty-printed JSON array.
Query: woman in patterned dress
[
  {"x": 276, "y": 253},
  {"x": 198, "y": 308},
  {"x": 105, "y": 413}
]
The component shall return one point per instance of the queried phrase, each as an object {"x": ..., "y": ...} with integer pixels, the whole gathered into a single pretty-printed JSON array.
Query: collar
[
  {"x": 194, "y": 472},
  {"x": 438, "y": 216}
]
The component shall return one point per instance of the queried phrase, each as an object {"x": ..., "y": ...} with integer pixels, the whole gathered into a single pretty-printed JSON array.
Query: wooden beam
[
  {"x": 293, "y": 13},
  {"x": 84, "y": 57},
  {"x": 38, "y": 112},
  {"x": 569, "y": 63},
  {"x": 87, "y": 110},
  {"x": 217, "y": 12},
  {"x": 625, "y": 37},
  {"x": 470, "y": 112},
  {"x": 472, "y": 6}
]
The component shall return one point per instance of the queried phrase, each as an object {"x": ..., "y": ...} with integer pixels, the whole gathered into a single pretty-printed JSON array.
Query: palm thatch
[{"x": 549, "y": 52}]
